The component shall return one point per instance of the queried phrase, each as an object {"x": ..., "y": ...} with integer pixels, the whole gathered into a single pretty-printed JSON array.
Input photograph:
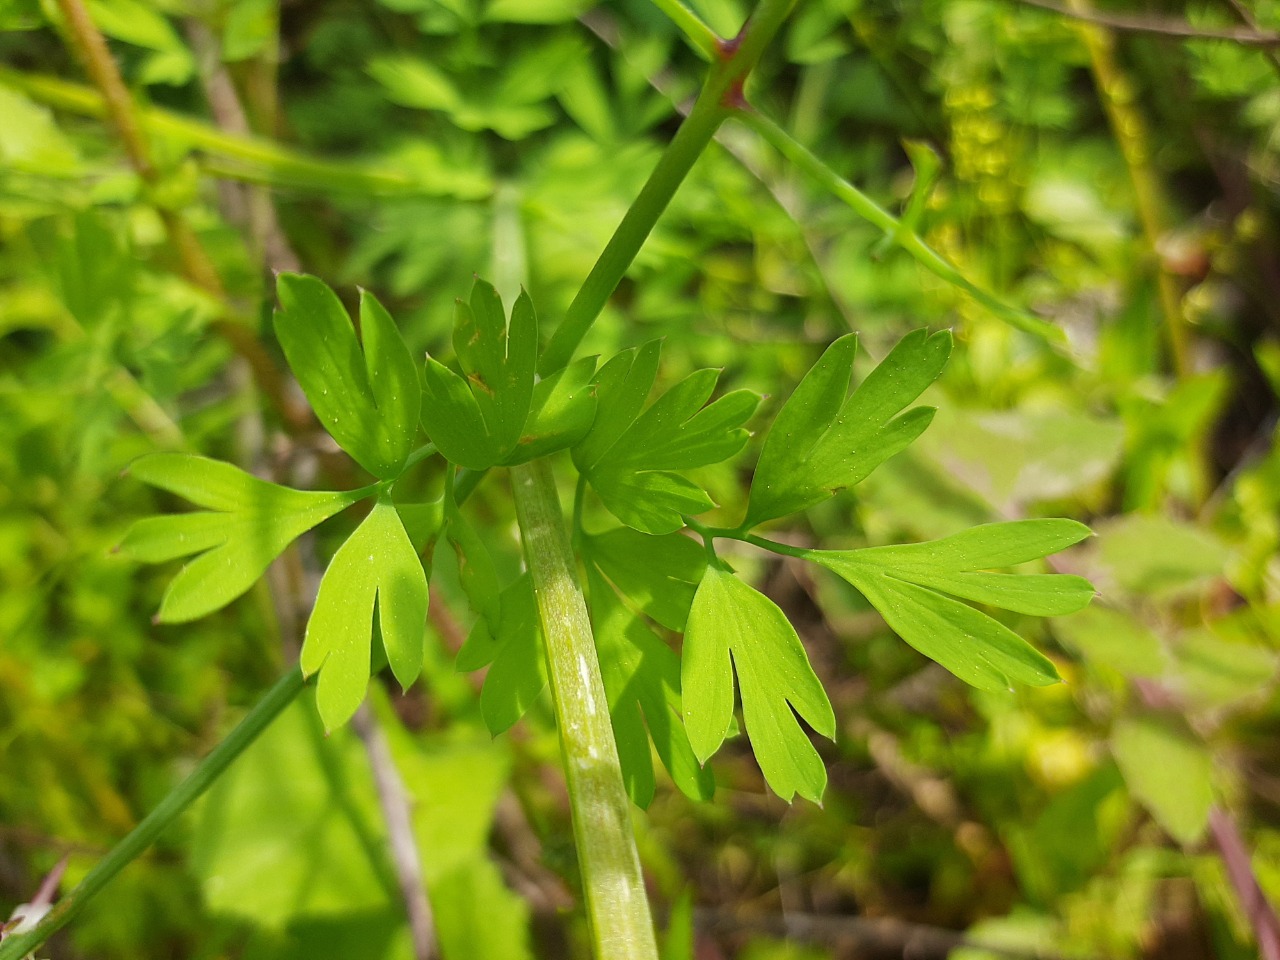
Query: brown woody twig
[{"x": 1162, "y": 26}]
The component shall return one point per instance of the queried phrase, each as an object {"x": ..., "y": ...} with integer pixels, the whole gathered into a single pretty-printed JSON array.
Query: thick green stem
[
  {"x": 169, "y": 809},
  {"x": 621, "y": 925},
  {"x": 720, "y": 95}
]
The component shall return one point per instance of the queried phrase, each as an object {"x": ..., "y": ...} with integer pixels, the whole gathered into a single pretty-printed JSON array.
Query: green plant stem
[
  {"x": 896, "y": 231},
  {"x": 721, "y": 93},
  {"x": 264, "y": 161},
  {"x": 621, "y": 925},
  {"x": 419, "y": 455},
  {"x": 726, "y": 533},
  {"x": 700, "y": 36},
  {"x": 169, "y": 809},
  {"x": 893, "y": 228}
]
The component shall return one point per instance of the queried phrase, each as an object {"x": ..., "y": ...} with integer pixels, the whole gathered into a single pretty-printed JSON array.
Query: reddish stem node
[
  {"x": 725, "y": 49},
  {"x": 734, "y": 98}
]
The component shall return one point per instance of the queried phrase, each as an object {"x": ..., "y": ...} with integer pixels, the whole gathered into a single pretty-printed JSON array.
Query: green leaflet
[
  {"x": 248, "y": 524},
  {"x": 563, "y": 408},
  {"x": 423, "y": 523},
  {"x": 622, "y": 386},
  {"x": 368, "y": 400},
  {"x": 476, "y": 418},
  {"x": 823, "y": 441},
  {"x": 376, "y": 567},
  {"x": 514, "y": 654},
  {"x": 907, "y": 585},
  {"x": 476, "y": 571},
  {"x": 642, "y": 680},
  {"x": 733, "y": 627},
  {"x": 629, "y": 456},
  {"x": 659, "y": 575}
]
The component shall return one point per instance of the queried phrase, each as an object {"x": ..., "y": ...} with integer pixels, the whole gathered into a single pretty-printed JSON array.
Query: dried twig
[
  {"x": 257, "y": 207},
  {"x": 1162, "y": 26},
  {"x": 393, "y": 799}
]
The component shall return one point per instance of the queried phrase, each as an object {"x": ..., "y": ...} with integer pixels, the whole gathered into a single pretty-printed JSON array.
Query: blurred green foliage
[{"x": 386, "y": 145}]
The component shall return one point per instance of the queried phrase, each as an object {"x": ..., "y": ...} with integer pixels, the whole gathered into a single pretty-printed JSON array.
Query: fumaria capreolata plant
[
  {"x": 594, "y": 612},
  {"x": 616, "y": 682}
]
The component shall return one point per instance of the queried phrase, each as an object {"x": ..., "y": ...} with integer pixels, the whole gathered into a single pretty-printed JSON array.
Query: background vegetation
[{"x": 1121, "y": 183}]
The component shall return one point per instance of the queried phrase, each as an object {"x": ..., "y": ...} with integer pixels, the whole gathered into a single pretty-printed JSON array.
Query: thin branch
[
  {"x": 721, "y": 93},
  {"x": 1162, "y": 26},
  {"x": 228, "y": 112},
  {"x": 899, "y": 233},
  {"x": 1235, "y": 856},
  {"x": 393, "y": 798},
  {"x": 91, "y": 47},
  {"x": 892, "y": 227}
]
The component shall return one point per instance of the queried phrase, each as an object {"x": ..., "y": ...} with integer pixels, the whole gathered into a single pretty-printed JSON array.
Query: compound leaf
[
  {"x": 622, "y": 386},
  {"x": 476, "y": 570},
  {"x": 642, "y": 681},
  {"x": 368, "y": 401},
  {"x": 248, "y": 524},
  {"x": 376, "y": 567},
  {"x": 452, "y": 418},
  {"x": 909, "y": 586},
  {"x": 477, "y": 418},
  {"x": 513, "y": 651},
  {"x": 734, "y": 627},
  {"x": 393, "y": 375},
  {"x": 659, "y": 575},
  {"x": 629, "y": 456},
  {"x": 823, "y": 441},
  {"x": 562, "y": 411}
]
